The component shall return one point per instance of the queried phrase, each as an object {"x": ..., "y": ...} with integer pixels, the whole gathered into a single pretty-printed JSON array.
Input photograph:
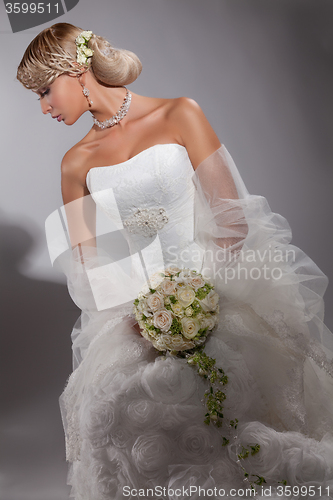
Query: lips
[{"x": 59, "y": 118}]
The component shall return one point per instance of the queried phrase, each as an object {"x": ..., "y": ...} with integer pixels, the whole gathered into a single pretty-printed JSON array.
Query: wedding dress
[{"x": 133, "y": 416}]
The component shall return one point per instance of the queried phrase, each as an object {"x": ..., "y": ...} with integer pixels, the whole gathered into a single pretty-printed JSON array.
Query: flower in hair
[{"x": 82, "y": 50}]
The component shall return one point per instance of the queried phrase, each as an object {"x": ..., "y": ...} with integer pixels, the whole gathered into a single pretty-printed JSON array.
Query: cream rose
[
  {"x": 208, "y": 322},
  {"x": 169, "y": 287},
  {"x": 155, "y": 301},
  {"x": 177, "y": 309},
  {"x": 163, "y": 320},
  {"x": 143, "y": 308},
  {"x": 197, "y": 282},
  {"x": 86, "y": 34},
  {"x": 172, "y": 270},
  {"x": 210, "y": 302},
  {"x": 185, "y": 276},
  {"x": 81, "y": 58},
  {"x": 186, "y": 296},
  {"x": 88, "y": 52},
  {"x": 190, "y": 327},
  {"x": 155, "y": 279},
  {"x": 188, "y": 311}
]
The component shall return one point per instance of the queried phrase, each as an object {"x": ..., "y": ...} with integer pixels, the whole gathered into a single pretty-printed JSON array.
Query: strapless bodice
[{"x": 149, "y": 194}]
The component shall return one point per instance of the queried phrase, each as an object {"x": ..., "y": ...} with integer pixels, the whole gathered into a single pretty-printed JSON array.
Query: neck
[{"x": 106, "y": 100}]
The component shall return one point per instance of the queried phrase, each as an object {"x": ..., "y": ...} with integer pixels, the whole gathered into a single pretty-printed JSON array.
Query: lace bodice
[{"x": 148, "y": 194}]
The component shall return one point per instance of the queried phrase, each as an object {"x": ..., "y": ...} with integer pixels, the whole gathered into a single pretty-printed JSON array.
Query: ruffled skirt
[{"x": 137, "y": 429}]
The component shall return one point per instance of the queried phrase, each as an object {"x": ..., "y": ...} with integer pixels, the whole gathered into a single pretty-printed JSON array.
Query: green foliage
[
  {"x": 202, "y": 292},
  {"x": 175, "y": 327},
  {"x": 196, "y": 307}
]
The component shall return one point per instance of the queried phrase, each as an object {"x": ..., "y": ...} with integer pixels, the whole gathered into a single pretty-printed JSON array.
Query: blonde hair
[{"x": 53, "y": 52}]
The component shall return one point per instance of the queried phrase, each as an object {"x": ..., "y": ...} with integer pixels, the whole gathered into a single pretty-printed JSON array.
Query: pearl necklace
[{"x": 118, "y": 116}]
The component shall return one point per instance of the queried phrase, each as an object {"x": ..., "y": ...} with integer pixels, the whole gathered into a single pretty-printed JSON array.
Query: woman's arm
[
  {"x": 212, "y": 176},
  {"x": 79, "y": 206}
]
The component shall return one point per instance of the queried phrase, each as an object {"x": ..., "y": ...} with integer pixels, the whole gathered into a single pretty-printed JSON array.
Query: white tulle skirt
[
  {"x": 138, "y": 425},
  {"x": 134, "y": 418}
]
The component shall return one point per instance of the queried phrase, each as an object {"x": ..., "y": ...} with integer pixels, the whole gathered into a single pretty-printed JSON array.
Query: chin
[{"x": 69, "y": 122}]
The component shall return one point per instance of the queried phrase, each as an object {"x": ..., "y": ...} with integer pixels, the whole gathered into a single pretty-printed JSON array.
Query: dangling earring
[{"x": 86, "y": 93}]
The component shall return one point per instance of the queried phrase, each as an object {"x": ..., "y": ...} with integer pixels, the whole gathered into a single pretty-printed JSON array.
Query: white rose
[
  {"x": 86, "y": 35},
  {"x": 80, "y": 39},
  {"x": 88, "y": 52},
  {"x": 137, "y": 314},
  {"x": 163, "y": 320},
  {"x": 81, "y": 58},
  {"x": 188, "y": 311},
  {"x": 210, "y": 302},
  {"x": 155, "y": 301},
  {"x": 155, "y": 279},
  {"x": 208, "y": 322},
  {"x": 177, "y": 309},
  {"x": 190, "y": 327},
  {"x": 143, "y": 308},
  {"x": 172, "y": 270},
  {"x": 168, "y": 287},
  {"x": 141, "y": 324},
  {"x": 186, "y": 296},
  {"x": 173, "y": 343},
  {"x": 185, "y": 276}
]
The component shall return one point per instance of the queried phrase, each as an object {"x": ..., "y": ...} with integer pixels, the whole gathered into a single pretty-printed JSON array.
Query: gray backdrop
[{"x": 262, "y": 72}]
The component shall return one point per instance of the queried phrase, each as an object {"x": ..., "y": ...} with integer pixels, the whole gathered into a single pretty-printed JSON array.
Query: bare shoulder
[
  {"x": 185, "y": 109},
  {"x": 73, "y": 173},
  {"x": 193, "y": 129},
  {"x": 74, "y": 162}
]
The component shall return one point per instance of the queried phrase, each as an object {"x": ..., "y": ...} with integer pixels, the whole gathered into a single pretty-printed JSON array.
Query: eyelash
[{"x": 44, "y": 94}]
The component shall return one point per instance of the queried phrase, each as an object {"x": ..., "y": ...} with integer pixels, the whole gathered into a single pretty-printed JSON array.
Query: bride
[{"x": 149, "y": 195}]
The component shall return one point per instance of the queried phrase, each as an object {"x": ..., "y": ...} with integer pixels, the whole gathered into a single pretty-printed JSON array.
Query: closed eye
[{"x": 43, "y": 94}]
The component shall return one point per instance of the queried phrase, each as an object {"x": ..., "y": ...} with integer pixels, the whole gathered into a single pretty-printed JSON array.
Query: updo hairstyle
[{"x": 53, "y": 53}]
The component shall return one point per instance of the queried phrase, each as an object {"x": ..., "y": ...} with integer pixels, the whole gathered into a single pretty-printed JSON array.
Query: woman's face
[{"x": 63, "y": 99}]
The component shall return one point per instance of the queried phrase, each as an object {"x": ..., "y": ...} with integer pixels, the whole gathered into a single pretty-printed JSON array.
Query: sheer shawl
[{"x": 245, "y": 246}]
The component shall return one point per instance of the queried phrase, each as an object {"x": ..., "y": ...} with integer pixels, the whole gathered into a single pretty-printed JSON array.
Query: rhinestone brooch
[{"x": 147, "y": 221}]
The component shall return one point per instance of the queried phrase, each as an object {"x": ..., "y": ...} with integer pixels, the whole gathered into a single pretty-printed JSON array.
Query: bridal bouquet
[{"x": 178, "y": 311}]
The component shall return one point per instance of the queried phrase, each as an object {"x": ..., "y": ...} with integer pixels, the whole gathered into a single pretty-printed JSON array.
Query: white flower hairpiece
[{"x": 82, "y": 50}]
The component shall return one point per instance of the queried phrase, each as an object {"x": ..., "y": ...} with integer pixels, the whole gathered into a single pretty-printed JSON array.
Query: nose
[{"x": 46, "y": 108}]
